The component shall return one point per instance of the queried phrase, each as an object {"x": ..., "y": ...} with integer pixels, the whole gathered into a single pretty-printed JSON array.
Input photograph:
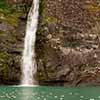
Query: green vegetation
[
  {"x": 45, "y": 18},
  {"x": 9, "y": 14},
  {"x": 5, "y": 8},
  {"x": 4, "y": 63},
  {"x": 42, "y": 6},
  {"x": 1, "y": 32},
  {"x": 93, "y": 8}
]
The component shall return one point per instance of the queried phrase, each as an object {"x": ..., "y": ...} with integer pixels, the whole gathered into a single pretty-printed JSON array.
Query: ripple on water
[
  {"x": 92, "y": 99},
  {"x": 81, "y": 96},
  {"x": 44, "y": 99},
  {"x": 55, "y": 96},
  {"x": 62, "y": 95},
  {"x": 38, "y": 98},
  {"x": 98, "y": 96},
  {"x": 61, "y": 98},
  {"x": 70, "y": 93}
]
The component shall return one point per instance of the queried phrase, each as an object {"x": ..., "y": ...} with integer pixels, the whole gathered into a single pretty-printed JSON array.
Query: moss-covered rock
[{"x": 12, "y": 28}]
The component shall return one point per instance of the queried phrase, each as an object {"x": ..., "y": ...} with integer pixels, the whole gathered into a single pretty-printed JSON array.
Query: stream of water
[{"x": 29, "y": 67}]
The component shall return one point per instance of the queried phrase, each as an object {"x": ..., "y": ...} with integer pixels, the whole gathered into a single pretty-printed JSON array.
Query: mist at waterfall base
[{"x": 29, "y": 67}]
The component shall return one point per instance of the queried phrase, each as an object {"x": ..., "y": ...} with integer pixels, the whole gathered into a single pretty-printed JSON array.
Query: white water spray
[{"x": 29, "y": 67}]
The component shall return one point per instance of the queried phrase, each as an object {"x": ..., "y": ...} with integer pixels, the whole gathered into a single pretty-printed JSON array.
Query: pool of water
[{"x": 49, "y": 93}]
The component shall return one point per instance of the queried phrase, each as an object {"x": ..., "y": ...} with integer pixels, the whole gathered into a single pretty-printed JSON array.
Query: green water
[{"x": 49, "y": 93}]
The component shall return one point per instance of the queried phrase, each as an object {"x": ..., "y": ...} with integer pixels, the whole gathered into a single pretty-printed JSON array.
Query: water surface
[{"x": 49, "y": 93}]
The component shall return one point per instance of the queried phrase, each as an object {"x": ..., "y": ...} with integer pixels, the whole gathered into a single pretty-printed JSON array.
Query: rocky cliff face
[
  {"x": 12, "y": 29},
  {"x": 67, "y": 46},
  {"x": 68, "y": 42}
]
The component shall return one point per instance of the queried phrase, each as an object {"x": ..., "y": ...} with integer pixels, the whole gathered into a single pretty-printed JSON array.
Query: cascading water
[{"x": 29, "y": 67}]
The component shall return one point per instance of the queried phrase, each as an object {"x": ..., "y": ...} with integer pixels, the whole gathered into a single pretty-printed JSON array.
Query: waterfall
[{"x": 29, "y": 67}]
